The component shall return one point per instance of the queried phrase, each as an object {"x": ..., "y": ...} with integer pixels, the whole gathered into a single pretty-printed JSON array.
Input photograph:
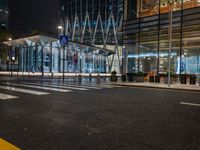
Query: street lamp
[{"x": 60, "y": 29}]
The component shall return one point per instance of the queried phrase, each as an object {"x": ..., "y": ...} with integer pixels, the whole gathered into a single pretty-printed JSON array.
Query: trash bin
[
  {"x": 123, "y": 77},
  {"x": 151, "y": 79},
  {"x": 130, "y": 77},
  {"x": 183, "y": 79},
  {"x": 198, "y": 79},
  {"x": 157, "y": 79},
  {"x": 193, "y": 79}
]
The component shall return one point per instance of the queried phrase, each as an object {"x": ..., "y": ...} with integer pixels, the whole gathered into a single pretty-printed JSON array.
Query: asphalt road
[{"x": 108, "y": 118}]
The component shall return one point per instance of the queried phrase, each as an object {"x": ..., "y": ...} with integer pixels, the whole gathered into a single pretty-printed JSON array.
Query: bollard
[
  {"x": 98, "y": 79},
  {"x": 198, "y": 78},
  {"x": 52, "y": 74},
  {"x": 90, "y": 77},
  {"x": 79, "y": 78},
  {"x": 199, "y": 81}
]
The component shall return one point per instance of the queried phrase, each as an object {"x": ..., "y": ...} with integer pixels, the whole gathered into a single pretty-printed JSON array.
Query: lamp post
[
  {"x": 170, "y": 44},
  {"x": 12, "y": 63},
  {"x": 11, "y": 56},
  {"x": 60, "y": 28},
  {"x": 59, "y": 33}
]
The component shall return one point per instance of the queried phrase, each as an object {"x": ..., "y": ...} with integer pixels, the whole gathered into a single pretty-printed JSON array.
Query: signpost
[
  {"x": 11, "y": 55},
  {"x": 63, "y": 42}
]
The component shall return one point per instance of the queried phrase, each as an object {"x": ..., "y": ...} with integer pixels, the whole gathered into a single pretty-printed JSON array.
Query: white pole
[{"x": 170, "y": 46}]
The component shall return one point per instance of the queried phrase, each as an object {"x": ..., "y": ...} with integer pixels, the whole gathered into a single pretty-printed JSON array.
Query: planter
[
  {"x": 113, "y": 78},
  {"x": 183, "y": 79},
  {"x": 193, "y": 80},
  {"x": 139, "y": 79}
]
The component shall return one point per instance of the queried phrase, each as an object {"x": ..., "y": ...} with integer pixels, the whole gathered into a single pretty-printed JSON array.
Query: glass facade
[
  {"x": 41, "y": 54},
  {"x": 146, "y": 37},
  {"x": 50, "y": 59}
]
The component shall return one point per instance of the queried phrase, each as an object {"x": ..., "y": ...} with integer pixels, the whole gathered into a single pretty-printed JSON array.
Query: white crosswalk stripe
[
  {"x": 49, "y": 86},
  {"x": 67, "y": 85},
  {"x": 9, "y": 88},
  {"x": 39, "y": 87},
  {"x": 110, "y": 86},
  {"x": 75, "y": 86},
  {"x": 5, "y": 96},
  {"x": 84, "y": 86},
  {"x": 59, "y": 86},
  {"x": 101, "y": 86}
]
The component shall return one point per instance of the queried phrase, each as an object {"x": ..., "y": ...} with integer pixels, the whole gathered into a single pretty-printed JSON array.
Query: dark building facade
[
  {"x": 28, "y": 15},
  {"x": 146, "y": 36},
  {"x": 3, "y": 14}
]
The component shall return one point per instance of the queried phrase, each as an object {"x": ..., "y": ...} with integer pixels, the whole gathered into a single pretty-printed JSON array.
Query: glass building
[
  {"x": 96, "y": 23},
  {"x": 146, "y": 36},
  {"x": 45, "y": 54},
  {"x": 3, "y": 14}
]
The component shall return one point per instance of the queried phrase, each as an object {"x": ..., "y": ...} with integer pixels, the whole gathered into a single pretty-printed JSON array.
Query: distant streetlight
[{"x": 60, "y": 27}]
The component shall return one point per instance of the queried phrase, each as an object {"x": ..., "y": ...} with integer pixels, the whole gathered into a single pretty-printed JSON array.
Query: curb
[{"x": 152, "y": 87}]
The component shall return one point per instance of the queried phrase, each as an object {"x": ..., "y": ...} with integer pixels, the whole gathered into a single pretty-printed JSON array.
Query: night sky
[{"x": 27, "y": 15}]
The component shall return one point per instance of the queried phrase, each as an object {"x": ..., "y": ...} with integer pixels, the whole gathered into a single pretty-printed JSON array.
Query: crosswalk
[
  {"x": 15, "y": 89},
  {"x": 44, "y": 88},
  {"x": 5, "y": 96},
  {"x": 39, "y": 87}
]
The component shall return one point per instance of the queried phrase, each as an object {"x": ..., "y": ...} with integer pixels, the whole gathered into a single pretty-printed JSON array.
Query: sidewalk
[{"x": 176, "y": 86}]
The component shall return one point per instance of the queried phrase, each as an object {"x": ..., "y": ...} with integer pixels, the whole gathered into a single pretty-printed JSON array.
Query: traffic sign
[{"x": 63, "y": 39}]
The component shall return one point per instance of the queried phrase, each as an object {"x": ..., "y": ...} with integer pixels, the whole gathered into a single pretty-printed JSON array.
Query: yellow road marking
[{"x": 7, "y": 146}]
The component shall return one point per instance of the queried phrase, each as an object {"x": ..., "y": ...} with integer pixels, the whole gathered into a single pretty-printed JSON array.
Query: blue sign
[{"x": 64, "y": 39}]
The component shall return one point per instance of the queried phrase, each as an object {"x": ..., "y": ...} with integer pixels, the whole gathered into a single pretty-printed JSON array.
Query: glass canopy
[{"x": 45, "y": 54}]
